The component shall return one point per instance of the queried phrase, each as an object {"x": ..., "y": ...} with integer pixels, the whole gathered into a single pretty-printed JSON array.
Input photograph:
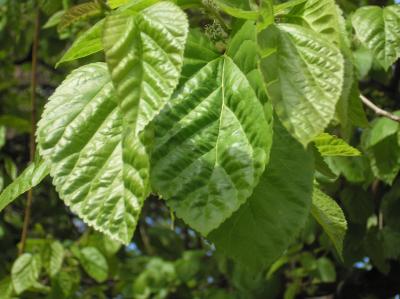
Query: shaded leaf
[
  {"x": 258, "y": 233},
  {"x": 78, "y": 13},
  {"x": 25, "y": 272},
  {"x": 293, "y": 60},
  {"x": 330, "y": 216},
  {"x": 210, "y": 148},
  {"x": 28, "y": 179},
  {"x": 94, "y": 263}
]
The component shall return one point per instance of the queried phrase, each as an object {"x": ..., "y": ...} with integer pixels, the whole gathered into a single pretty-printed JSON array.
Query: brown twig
[
  {"x": 32, "y": 147},
  {"x": 379, "y": 111}
]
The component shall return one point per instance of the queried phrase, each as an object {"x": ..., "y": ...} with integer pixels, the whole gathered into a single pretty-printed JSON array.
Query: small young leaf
[
  {"x": 55, "y": 259},
  {"x": 28, "y": 179},
  {"x": 86, "y": 44},
  {"x": 329, "y": 145},
  {"x": 330, "y": 216},
  {"x": 78, "y": 13},
  {"x": 94, "y": 263},
  {"x": 378, "y": 29},
  {"x": 54, "y": 20},
  {"x": 25, "y": 272}
]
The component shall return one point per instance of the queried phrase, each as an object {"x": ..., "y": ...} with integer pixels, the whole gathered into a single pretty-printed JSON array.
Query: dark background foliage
[{"x": 166, "y": 259}]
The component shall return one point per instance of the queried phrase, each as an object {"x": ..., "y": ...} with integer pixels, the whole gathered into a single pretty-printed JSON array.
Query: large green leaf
[
  {"x": 211, "y": 146},
  {"x": 28, "y": 179},
  {"x": 330, "y": 216},
  {"x": 86, "y": 44},
  {"x": 379, "y": 30},
  {"x": 304, "y": 77},
  {"x": 144, "y": 52},
  {"x": 25, "y": 272},
  {"x": 258, "y": 233},
  {"x": 80, "y": 133}
]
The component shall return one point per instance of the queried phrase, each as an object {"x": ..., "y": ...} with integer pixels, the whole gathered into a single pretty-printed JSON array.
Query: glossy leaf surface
[
  {"x": 210, "y": 147},
  {"x": 80, "y": 134},
  {"x": 379, "y": 29},
  {"x": 304, "y": 77}
]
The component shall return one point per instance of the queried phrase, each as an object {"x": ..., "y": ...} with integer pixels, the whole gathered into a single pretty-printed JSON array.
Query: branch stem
[
  {"x": 379, "y": 111},
  {"x": 32, "y": 146}
]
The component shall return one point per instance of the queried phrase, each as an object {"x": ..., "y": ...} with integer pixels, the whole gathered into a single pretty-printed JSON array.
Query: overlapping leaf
[
  {"x": 210, "y": 147},
  {"x": 329, "y": 145},
  {"x": 379, "y": 29},
  {"x": 80, "y": 133},
  {"x": 86, "y": 44},
  {"x": 258, "y": 233},
  {"x": 304, "y": 77},
  {"x": 28, "y": 179},
  {"x": 144, "y": 52},
  {"x": 25, "y": 272},
  {"x": 330, "y": 216}
]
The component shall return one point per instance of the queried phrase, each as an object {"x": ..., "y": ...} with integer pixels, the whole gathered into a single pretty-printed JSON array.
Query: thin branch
[
  {"x": 378, "y": 110},
  {"x": 32, "y": 147}
]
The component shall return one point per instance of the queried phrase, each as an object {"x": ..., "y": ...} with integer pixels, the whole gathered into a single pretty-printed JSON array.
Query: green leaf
[
  {"x": 378, "y": 29},
  {"x": 6, "y": 288},
  {"x": 385, "y": 159},
  {"x": 258, "y": 233},
  {"x": 198, "y": 52},
  {"x": 279, "y": 8},
  {"x": 381, "y": 128},
  {"x": 54, "y": 20},
  {"x": 28, "y": 179},
  {"x": 3, "y": 136},
  {"x": 144, "y": 52},
  {"x": 116, "y": 3},
  {"x": 329, "y": 145},
  {"x": 322, "y": 16},
  {"x": 304, "y": 77},
  {"x": 211, "y": 146},
  {"x": 18, "y": 123},
  {"x": 326, "y": 270},
  {"x": 146, "y": 71},
  {"x": 94, "y": 263},
  {"x": 243, "y": 51},
  {"x": 330, "y": 216},
  {"x": 236, "y": 12},
  {"x": 78, "y": 13},
  {"x": 80, "y": 134},
  {"x": 25, "y": 272},
  {"x": 55, "y": 258},
  {"x": 86, "y": 44},
  {"x": 11, "y": 168}
]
